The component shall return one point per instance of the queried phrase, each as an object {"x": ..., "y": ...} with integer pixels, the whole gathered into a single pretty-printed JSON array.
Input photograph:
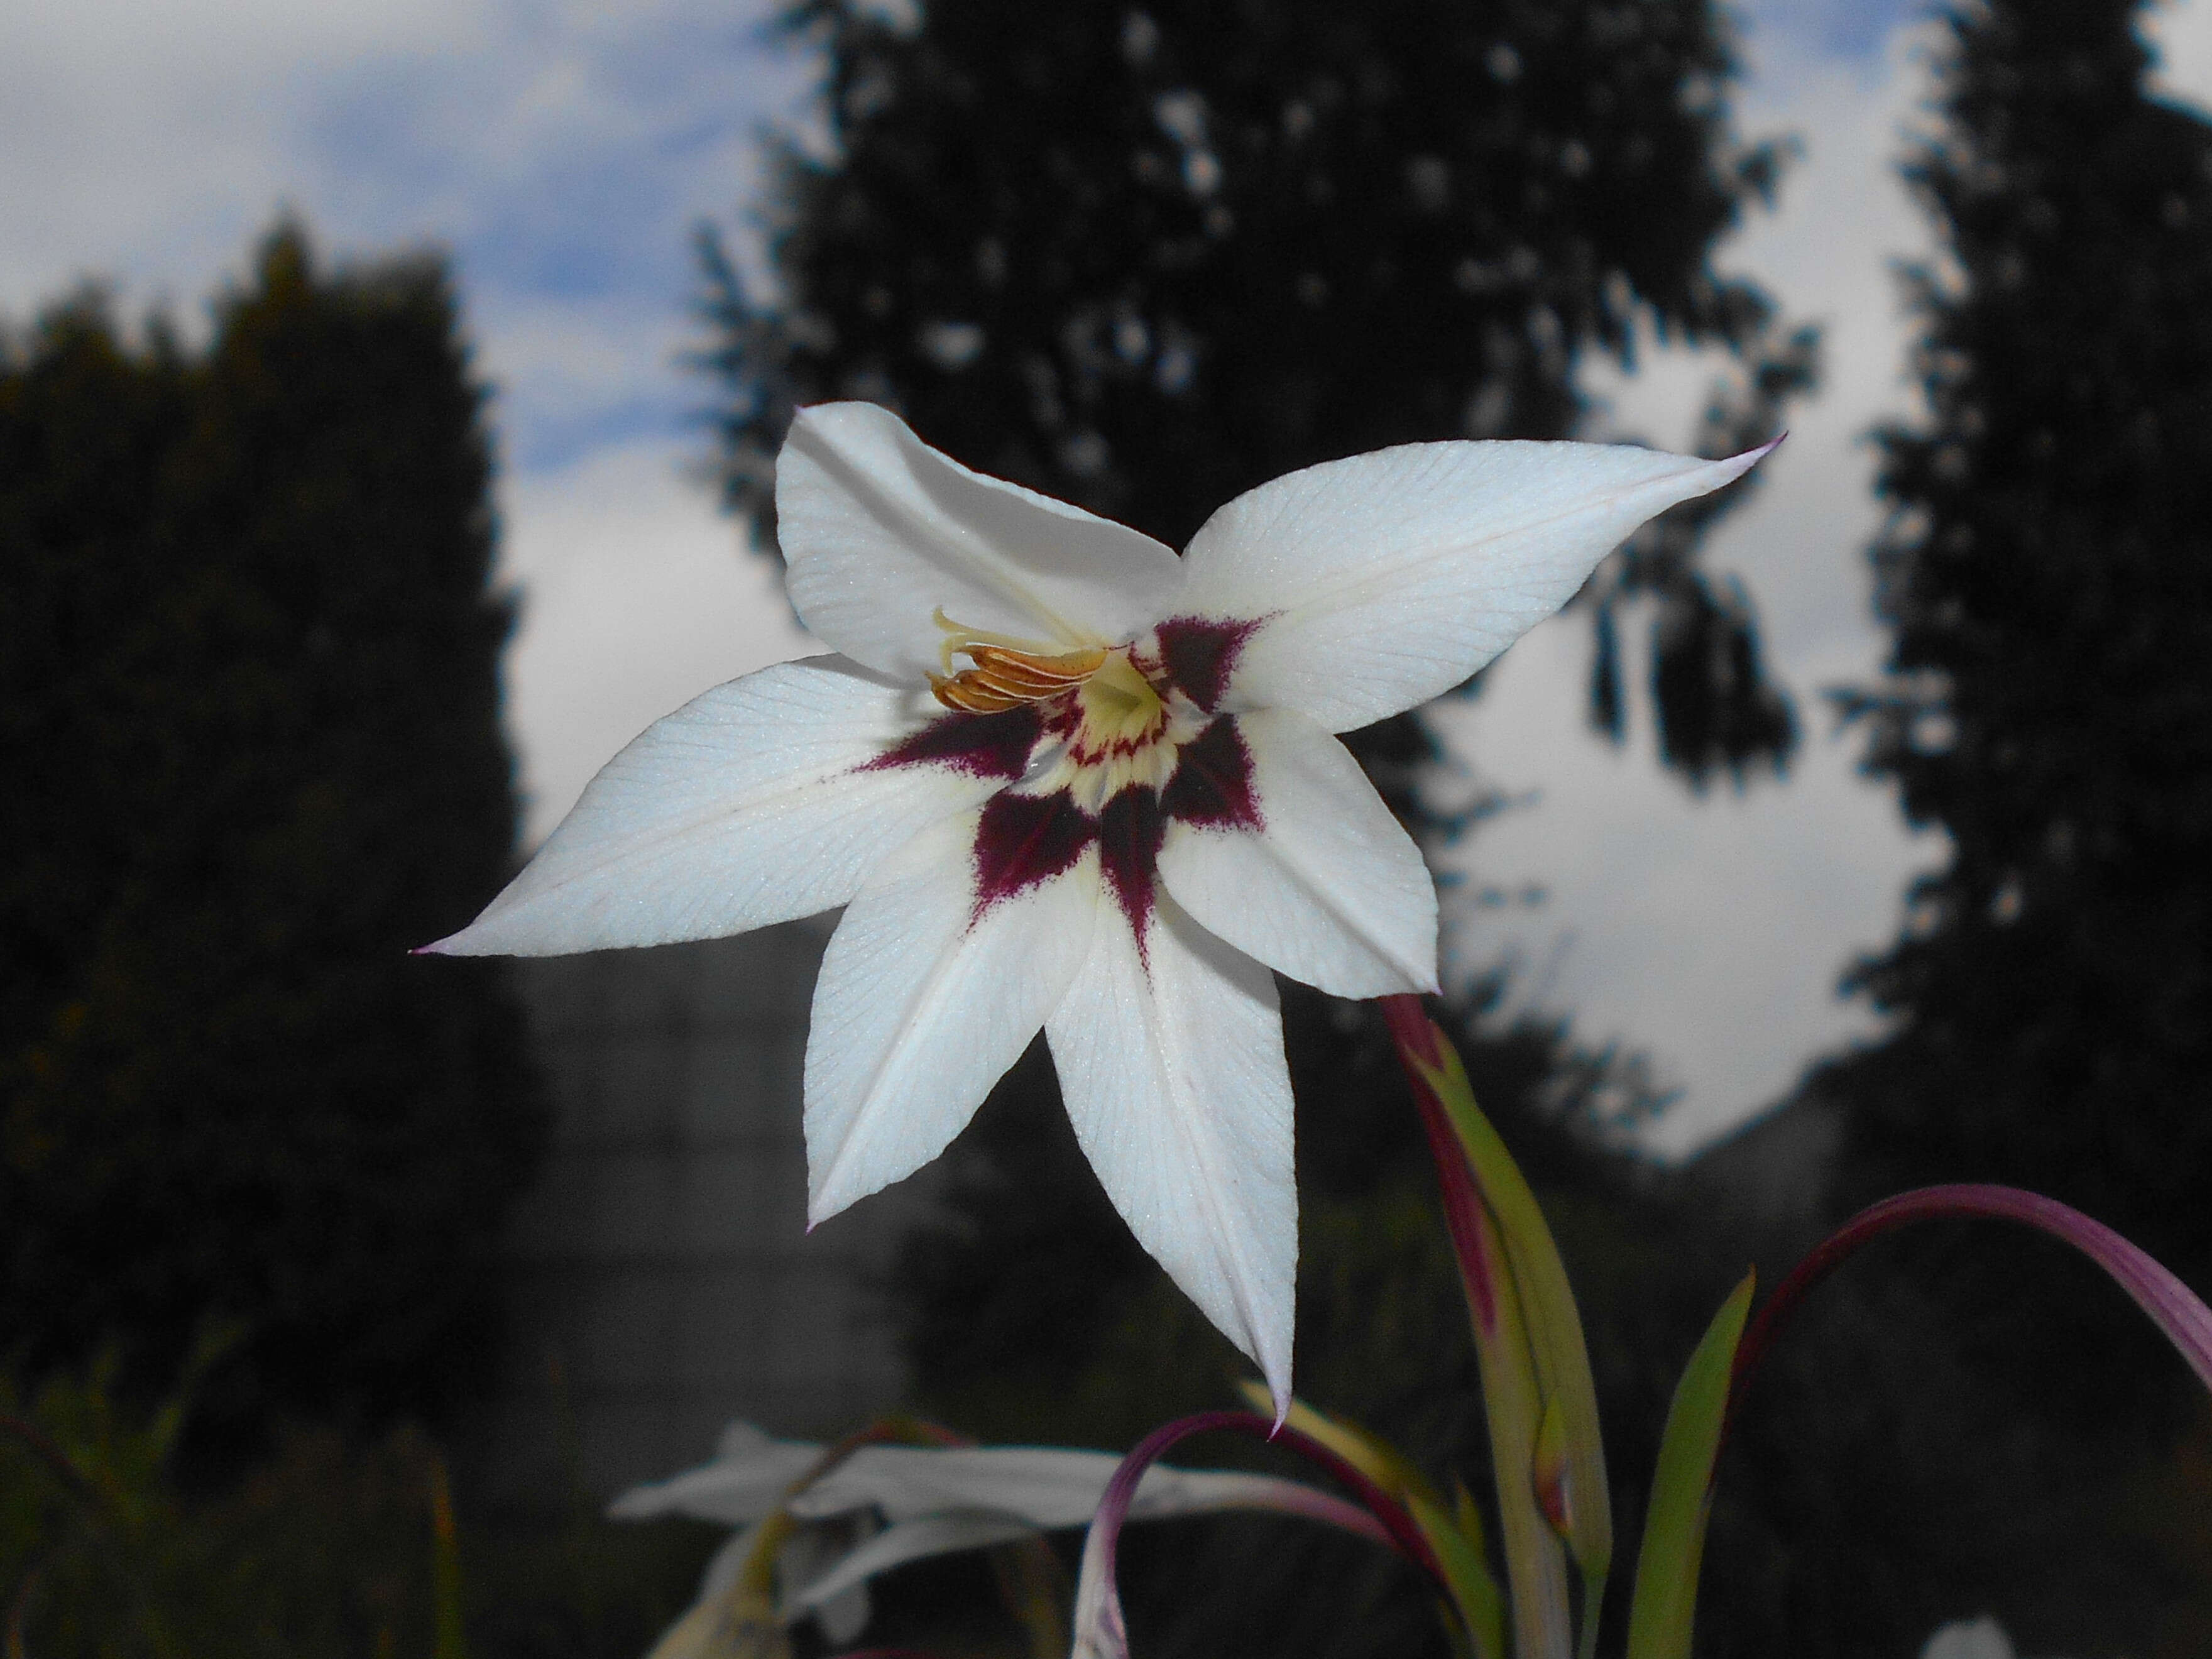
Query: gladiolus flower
[{"x": 1061, "y": 778}]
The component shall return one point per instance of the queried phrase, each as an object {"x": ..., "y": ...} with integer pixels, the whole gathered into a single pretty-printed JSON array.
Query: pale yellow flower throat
[{"x": 1118, "y": 726}]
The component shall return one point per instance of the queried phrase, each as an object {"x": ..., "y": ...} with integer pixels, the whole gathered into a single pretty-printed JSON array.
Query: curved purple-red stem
[
  {"x": 1394, "y": 1526},
  {"x": 2171, "y": 1305}
]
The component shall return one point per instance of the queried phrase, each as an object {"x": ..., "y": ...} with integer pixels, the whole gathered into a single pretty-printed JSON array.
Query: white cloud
[
  {"x": 2181, "y": 34},
  {"x": 562, "y": 153},
  {"x": 638, "y": 596},
  {"x": 1712, "y": 933},
  {"x": 145, "y": 141}
]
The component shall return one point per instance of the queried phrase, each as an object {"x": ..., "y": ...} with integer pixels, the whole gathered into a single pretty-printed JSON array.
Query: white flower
[
  {"x": 884, "y": 1505},
  {"x": 1976, "y": 1638},
  {"x": 1061, "y": 778}
]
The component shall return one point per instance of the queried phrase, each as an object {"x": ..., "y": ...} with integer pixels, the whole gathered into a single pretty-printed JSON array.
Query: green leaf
[
  {"x": 1566, "y": 1446},
  {"x": 1661, "y": 1617},
  {"x": 1535, "y": 1560},
  {"x": 1581, "y": 1498},
  {"x": 450, "y": 1637},
  {"x": 1474, "y": 1592},
  {"x": 1469, "y": 1515}
]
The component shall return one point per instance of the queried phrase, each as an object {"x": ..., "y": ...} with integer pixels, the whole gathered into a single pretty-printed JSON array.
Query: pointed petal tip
[
  {"x": 467, "y": 941},
  {"x": 831, "y": 1193},
  {"x": 1730, "y": 468},
  {"x": 1279, "y": 1391},
  {"x": 822, "y": 1204}
]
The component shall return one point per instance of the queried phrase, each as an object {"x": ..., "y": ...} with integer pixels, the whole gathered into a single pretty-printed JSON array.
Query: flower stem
[
  {"x": 2176, "y": 1310},
  {"x": 1099, "y": 1631}
]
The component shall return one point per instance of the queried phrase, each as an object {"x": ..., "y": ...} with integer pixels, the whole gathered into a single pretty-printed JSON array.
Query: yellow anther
[
  {"x": 958, "y": 636},
  {"x": 1005, "y": 672}
]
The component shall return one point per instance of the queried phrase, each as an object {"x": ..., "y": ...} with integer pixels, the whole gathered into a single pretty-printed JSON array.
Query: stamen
[
  {"x": 958, "y": 636},
  {"x": 1005, "y": 672}
]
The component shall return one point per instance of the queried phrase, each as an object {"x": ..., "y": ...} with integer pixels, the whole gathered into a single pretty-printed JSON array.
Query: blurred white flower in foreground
[
  {"x": 1062, "y": 778},
  {"x": 1969, "y": 1638},
  {"x": 885, "y": 1505}
]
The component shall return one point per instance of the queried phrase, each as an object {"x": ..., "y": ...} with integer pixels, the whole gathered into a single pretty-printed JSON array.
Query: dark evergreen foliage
[
  {"x": 2048, "y": 572},
  {"x": 248, "y": 710},
  {"x": 1146, "y": 258}
]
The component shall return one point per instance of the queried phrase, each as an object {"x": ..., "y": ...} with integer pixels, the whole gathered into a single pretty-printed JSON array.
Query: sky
[{"x": 565, "y": 152}]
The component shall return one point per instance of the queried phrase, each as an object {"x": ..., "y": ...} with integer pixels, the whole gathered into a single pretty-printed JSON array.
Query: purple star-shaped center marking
[{"x": 1026, "y": 838}]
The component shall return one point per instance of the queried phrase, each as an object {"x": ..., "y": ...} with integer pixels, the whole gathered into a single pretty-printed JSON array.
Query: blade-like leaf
[
  {"x": 449, "y": 1636},
  {"x": 1535, "y": 1562},
  {"x": 1567, "y": 1450},
  {"x": 1660, "y": 1616},
  {"x": 1474, "y": 1592}
]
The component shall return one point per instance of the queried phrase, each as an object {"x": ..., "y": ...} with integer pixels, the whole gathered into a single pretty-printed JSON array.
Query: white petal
[
  {"x": 879, "y": 532},
  {"x": 1386, "y": 579},
  {"x": 940, "y": 1500},
  {"x": 700, "y": 1633},
  {"x": 1163, "y": 1492},
  {"x": 1046, "y": 1485},
  {"x": 1043, "y": 1487},
  {"x": 727, "y": 1562},
  {"x": 807, "y": 1556},
  {"x": 911, "y": 1541},
  {"x": 747, "y": 805},
  {"x": 1330, "y": 890},
  {"x": 922, "y": 1004},
  {"x": 842, "y": 1615},
  {"x": 733, "y": 1489},
  {"x": 1171, "y": 1065}
]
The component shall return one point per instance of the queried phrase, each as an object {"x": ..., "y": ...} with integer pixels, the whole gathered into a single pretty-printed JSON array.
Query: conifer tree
[
  {"x": 2047, "y": 571},
  {"x": 248, "y": 707},
  {"x": 1144, "y": 257}
]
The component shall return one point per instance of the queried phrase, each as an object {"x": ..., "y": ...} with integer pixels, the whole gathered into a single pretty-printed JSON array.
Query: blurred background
[{"x": 388, "y": 400}]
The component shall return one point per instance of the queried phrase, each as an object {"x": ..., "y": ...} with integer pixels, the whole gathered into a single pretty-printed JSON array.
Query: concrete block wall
[{"x": 660, "y": 1277}]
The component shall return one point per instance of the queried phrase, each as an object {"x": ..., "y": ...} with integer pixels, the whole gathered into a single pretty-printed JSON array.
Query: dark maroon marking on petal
[
  {"x": 1130, "y": 829},
  {"x": 1212, "y": 784},
  {"x": 1199, "y": 654},
  {"x": 1024, "y": 841},
  {"x": 981, "y": 745}
]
